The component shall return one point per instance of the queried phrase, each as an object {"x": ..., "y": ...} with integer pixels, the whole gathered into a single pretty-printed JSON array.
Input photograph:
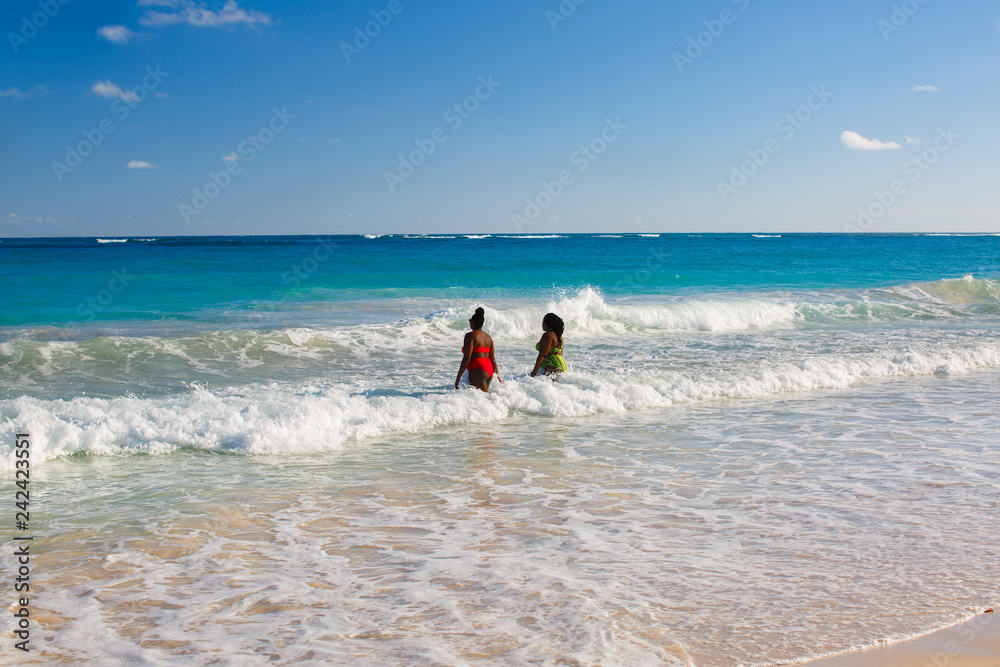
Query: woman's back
[{"x": 479, "y": 338}]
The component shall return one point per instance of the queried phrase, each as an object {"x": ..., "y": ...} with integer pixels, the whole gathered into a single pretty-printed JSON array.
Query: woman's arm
[
  {"x": 466, "y": 358},
  {"x": 543, "y": 351},
  {"x": 493, "y": 359}
]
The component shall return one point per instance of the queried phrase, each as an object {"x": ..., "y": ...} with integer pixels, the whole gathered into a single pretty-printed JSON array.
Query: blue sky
[{"x": 598, "y": 116}]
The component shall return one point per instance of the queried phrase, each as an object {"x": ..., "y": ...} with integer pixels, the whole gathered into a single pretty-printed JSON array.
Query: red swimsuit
[{"x": 480, "y": 363}]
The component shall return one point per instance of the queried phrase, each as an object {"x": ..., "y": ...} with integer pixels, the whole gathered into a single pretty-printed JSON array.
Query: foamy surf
[
  {"x": 282, "y": 419},
  {"x": 603, "y": 337},
  {"x": 701, "y": 536}
]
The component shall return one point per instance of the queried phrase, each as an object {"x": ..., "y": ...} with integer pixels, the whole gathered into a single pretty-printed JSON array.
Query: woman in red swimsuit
[{"x": 478, "y": 354}]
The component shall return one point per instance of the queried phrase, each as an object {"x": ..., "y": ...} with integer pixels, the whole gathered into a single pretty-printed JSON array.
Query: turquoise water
[
  {"x": 755, "y": 429},
  {"x": 215, "y": 279}
]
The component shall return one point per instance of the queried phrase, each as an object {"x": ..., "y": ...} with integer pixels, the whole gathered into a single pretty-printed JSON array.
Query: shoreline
[{"x": 971, "y": 643}]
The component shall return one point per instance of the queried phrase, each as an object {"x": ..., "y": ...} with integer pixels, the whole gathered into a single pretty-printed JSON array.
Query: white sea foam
[
  {"x": 112, "y": 240},
  {"x": 649, "y": 539},
  {"x": 588, "y": 314},
  {"x": 288, "y": 419},
  {"x": 590, "y": 319}
]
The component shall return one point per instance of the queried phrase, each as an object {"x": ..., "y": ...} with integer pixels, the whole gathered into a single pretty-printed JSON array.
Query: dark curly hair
[
  {"x": 478, "y": 319},
  {"x": 555, "y": 323}
]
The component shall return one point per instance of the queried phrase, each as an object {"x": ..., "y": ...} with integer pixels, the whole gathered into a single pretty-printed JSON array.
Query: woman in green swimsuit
[{"x": 550, "y": 347}]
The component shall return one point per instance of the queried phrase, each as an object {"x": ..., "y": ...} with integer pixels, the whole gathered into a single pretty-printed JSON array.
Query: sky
[{"x": 218, "y": 117}]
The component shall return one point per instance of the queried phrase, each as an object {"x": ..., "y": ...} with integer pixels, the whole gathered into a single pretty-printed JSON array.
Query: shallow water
[{"x": 737, "y": 531}]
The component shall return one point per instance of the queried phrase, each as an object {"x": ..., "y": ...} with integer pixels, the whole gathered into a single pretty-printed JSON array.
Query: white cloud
[
  {"x": 57, "y": 220},
  {"x": 199, "y": 15},
  {"x": 926, "y": 89},
  {"x": 232, "y": 156},
  {"x": 335, "y": 141},
  {"x": 139, "y": 164},
  {"x": 913, "y": 141},
  {"x": 856, "y": 142},
  {"x": 116, "y": 34},
  {"x": 17, "y": 92},
  {"x": 108, "y": 89}
]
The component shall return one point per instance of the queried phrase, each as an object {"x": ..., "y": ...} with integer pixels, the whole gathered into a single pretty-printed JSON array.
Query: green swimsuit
[{"x": 553, "y": 360}]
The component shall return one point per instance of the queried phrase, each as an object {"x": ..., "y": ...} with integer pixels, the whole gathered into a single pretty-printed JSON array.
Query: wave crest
[{"x": 280, "y": 419}]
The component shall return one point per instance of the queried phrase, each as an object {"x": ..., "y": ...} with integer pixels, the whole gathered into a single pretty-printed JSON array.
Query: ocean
[{"x": 248, "y": 450}]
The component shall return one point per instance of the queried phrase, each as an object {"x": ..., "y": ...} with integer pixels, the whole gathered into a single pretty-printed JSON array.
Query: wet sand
[{"x": 975, "y": 643}]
